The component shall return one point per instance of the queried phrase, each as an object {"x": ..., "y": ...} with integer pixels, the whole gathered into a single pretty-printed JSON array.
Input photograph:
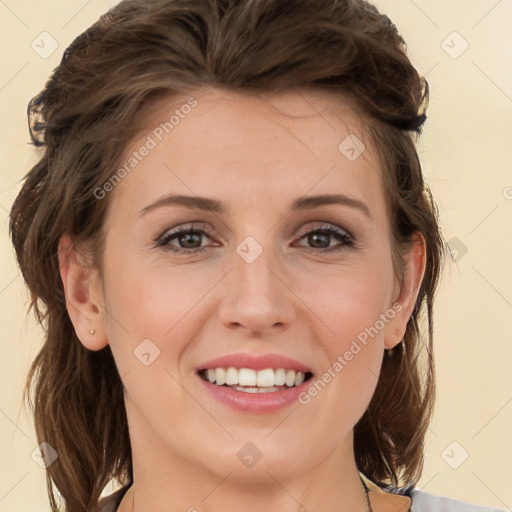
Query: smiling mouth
[{"x": 248, "y": 380}]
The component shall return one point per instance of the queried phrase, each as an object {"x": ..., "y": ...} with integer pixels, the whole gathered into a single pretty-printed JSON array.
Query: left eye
[
  {"x": 189, "y": 239},
  {"x": 321, "y": 236}
]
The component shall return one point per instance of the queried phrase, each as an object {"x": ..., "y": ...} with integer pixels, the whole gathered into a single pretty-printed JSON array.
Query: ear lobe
[
  {"x": 413, "y": 277},
  {"x": 84, "y": 301}
]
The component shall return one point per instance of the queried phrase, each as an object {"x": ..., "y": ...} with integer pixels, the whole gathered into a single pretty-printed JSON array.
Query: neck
[
  {"x": 166, "y": 479},
  {"x": 326, "y": 488}
]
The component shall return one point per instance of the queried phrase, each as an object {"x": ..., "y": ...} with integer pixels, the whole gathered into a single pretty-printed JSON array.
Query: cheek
[
  {"x": 347, "y": 300},
  {"x": 156, "y": 304},
  {"x": 137, "y": 294},
  {"x": 163, "y": 303},
  {"x": 150, "y": 324},
  {"x": 353, "y": 306}
]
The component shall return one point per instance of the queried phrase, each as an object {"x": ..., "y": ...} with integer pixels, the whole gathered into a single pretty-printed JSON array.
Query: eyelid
[
  {"x": 204, "y": 230},
  {"x": 319, "y": 225},
  {"x": 203, "y": 227}
]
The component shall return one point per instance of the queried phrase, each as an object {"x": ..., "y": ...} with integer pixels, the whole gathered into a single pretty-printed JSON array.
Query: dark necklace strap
[{"x": 366, "y": 490}]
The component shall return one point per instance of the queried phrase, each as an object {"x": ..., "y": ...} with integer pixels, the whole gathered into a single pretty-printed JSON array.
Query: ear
[
  {"x": 83, "y": 292},
  {"x": 413, "y": 277}
]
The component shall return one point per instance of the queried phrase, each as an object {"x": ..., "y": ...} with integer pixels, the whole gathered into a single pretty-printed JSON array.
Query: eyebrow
[{"x": 219, "y": 207}]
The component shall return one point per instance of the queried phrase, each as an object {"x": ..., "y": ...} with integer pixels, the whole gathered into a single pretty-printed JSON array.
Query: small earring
[{"x": 91, "y": 332}]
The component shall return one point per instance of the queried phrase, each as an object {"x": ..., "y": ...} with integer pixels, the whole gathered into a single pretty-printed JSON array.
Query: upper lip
[{"x": 259, "y": 362}]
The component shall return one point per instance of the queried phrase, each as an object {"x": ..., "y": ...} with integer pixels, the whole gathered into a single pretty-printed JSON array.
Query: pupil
[
  {"x": 190, "y": 237},
  {"x": 316, "y": 238}
]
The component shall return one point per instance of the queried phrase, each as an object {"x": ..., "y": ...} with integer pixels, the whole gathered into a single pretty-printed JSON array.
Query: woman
[{"x": 230, "y": 244}]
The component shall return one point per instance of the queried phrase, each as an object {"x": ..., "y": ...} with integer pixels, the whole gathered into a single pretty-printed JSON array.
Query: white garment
[
  {"x": 421, "y": 502},
  {"x": 425, "y": 502}
]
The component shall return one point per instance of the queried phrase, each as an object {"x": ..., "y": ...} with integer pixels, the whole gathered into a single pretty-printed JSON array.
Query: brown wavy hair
[{"x": 85, "y": 117}]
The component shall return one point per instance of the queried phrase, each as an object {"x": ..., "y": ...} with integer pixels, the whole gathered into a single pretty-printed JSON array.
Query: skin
[{"x": 257, "y": 154}]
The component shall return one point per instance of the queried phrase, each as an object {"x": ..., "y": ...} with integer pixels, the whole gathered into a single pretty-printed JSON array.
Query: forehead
[{"x": 244, "y": 147}]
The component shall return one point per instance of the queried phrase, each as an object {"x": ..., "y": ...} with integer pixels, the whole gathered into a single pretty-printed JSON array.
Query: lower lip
[{"x": 258, "y": 403}]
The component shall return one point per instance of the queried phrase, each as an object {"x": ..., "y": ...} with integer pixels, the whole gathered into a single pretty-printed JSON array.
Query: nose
[{"x": 257, "y": 297}]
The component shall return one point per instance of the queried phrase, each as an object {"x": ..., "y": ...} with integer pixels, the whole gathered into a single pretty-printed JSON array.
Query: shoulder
[
  {"x": 425, "y": 502},
  {"x": 422, "y": 501}
]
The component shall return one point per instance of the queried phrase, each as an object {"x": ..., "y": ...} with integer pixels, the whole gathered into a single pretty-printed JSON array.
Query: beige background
[{"x": 466, "y": 152}]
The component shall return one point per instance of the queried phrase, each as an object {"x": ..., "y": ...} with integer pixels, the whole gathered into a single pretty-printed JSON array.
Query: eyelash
[{"x": 339, "y": 234}]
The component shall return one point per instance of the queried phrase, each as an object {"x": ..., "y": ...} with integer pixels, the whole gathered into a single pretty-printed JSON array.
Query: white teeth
[
  {"x": 299, "y": 378},
  {"x": 220, "y": 376},
  {"x": 256, "y": 389},
  {"x": 247, "y": 377},
  {"x": 290, "y": 378},
  {"x": 253, "y": 381},
  {"x": 266, "y": 378},
  {"x": 280, "y": 377},
  {"x": 231, "y": 376}
]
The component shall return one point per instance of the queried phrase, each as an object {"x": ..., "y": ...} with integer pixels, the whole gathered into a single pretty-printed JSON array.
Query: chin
[{"x": 260, "y": 461}]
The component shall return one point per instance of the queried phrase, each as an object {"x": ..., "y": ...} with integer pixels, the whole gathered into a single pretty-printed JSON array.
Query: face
[{"x": 257, "y": 273}]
